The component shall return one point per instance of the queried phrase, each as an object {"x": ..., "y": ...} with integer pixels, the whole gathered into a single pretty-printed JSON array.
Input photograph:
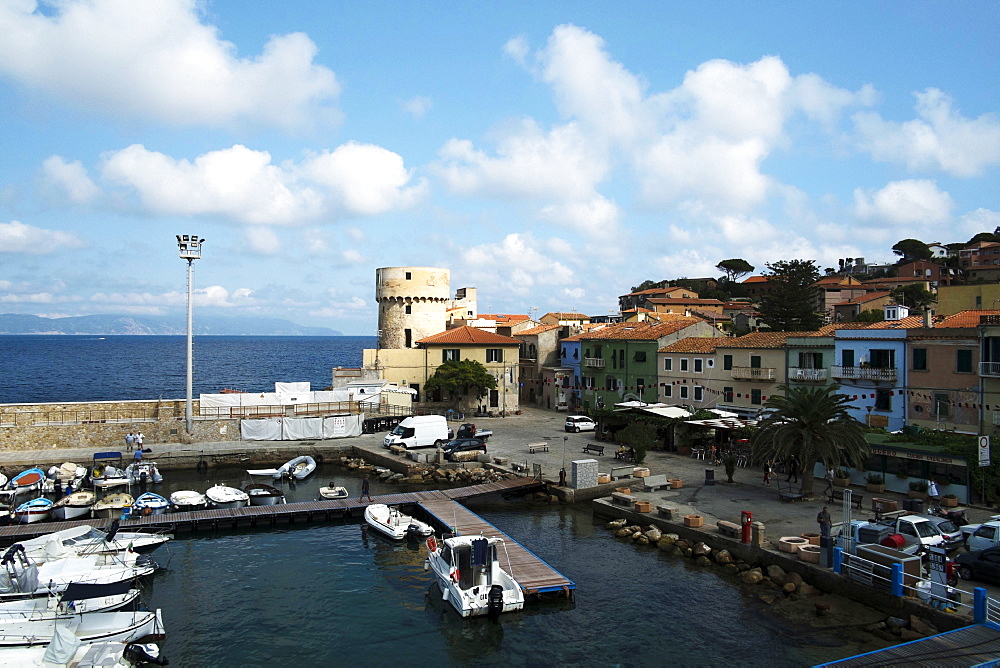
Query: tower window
[
  {"x": 409, "y": 275},
  {"x": 408, "y": 309}
]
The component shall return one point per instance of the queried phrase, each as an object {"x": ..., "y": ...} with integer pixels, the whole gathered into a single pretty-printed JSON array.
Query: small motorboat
[
  {"x": 114, "y": 505},
  {"x": 70, "y": 473},
  {"x": 73, "y": 505},
  {"x": 332, "y": 492},
  {"x": 85, "y": 540},
  {"x": 34, "y": 510},
  {"x": 468, "y": 571},
  {"x": 186, "y": 500},
  {"x": 141, "y": 473},
  {"x": 264, "y": 495},
  {"x": 27, "y": 578},
  {"x": 104, "y": 476},
  {"x": 27, "y": 481},
  {"x": 393, "y": 523},
  {"x": 66, "y": 650},
  {"x": 299, "y": 468},
  {"x": 92, "y": 627},
  {"x": 149, "y": 503},
  {"x": 223, "y": 496},
  {"x": 75, "y": 600}
]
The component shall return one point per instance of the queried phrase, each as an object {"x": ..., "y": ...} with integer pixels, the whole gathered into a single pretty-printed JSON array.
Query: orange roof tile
[
  {"x": 568, "y": 316},
  {"x": 640, "y": 331},
  {"x": 760, "y": 340},
  {"x": 469, "y": 336},
  {"x": 868, "y": 297},
  {"x": 965, "y": 318},
  {"x": 538, "y": 329},
  {"x": 667, "y": 301},
  {"x": 693, "y": 344},
  {"x": 756, "y": 279}
]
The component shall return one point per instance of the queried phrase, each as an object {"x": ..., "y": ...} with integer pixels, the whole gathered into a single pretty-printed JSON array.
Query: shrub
[
  {"x": 875, "y": 478},
  {"x": 919, "y": 485},
  {"x": 841, "y": 472}
]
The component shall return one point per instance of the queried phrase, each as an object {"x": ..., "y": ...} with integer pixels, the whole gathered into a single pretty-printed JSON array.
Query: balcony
[
  {"x": 989, "y": 368},
  {"x": 801, "y": 374},
  {"x": 754, "y": 373},
  {"x": 593, "y": 362},
  {"x": 871, "y": 373}
]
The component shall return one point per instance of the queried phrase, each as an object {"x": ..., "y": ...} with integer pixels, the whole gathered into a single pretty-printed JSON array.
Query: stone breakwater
[{"x": 426, "y": 474}]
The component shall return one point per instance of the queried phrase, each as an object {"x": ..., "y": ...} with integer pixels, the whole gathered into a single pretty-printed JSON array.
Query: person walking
[
  {"x": 829, "y": 480},
  {"x": 825, "y": 522},
  {"x": 365, "y": 489},
  {"x": 129, "y": 442},
  {"x": 932, "y": 492},
  {"x": 767, "y": 472},
  {"x": 793, "y": 469}
]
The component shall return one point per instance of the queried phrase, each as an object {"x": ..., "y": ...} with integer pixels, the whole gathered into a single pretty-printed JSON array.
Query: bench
[
  {"x": 397, "y": 449},
  {"x": 786, "y": 493},
  {"x": 666, "y": 512},
  {"x": 730, "y": 529},
  {"x": 622, "y": 499},
  {"x": 594, "y": 448},
  {"x": 838, "y": 495},
  {"x": 655, "y": 482},
  {"x": 535, "y": 447},
  {"x": 618, "y": 472}
]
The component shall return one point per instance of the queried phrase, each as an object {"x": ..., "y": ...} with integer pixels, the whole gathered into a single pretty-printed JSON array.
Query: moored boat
[
  {"x": 223, "y": 496},
  {"x": 65, "y": 650},
  {"x": 393, "y": 523},
  {"x": 73, "y": 505},
  {"x": 332, "y": 491},
  {"x": 86, "y": 540},
  {"x": 140, "y": 473},
  {"x": 26, "y": 578},
  {"x": 264, "y": 495},
  {"x": 34, "y": 510},
  {"x": 113, "y": 505},
  {"x": 27, "y": 481},
  {"x": 150, "y": 503},
  {"x": 75, "y": 600},
  {"x": 300, "y": 468},
  {"x": 185, "y": 500},
  {"x": 92, "y": 627},
  {"x": 468, "y": 571},
  {"x": 104, "y": 476}
]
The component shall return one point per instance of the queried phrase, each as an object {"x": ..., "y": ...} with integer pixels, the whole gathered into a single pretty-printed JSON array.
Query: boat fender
[
  {"x": 456, "y": 575},
  {"x": 147, "y": 510},
  {"x": 432, "y": 544}
]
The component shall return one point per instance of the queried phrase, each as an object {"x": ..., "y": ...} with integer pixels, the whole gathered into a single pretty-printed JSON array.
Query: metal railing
[
  {"x": 804, "y": 374},
  {"x": 61, "y": 417},
  {"x": 989, "y": 368},
  {"x": 595, "y": 362},
  {"x": 754, "y": 373},
  {"x": 864, "y": 373}
]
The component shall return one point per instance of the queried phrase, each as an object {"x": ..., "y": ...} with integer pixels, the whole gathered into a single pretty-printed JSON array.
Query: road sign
[{"x": 984, "y": 450}]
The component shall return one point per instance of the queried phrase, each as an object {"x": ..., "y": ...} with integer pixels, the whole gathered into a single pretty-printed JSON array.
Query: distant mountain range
[{"x": 16, "y": 323}]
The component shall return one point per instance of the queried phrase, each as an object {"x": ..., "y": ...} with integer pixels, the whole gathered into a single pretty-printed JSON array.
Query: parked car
[
  {"x": 469, "y": 430},
  {"x": 460, "y": 445},
  {"x": 980, "y": 565},
  {"x": 952, "y": 534},
  {"x": 982, "y": 536},
  {"x": 916, "y": 529},
  {"x": 579, "y": 423}
]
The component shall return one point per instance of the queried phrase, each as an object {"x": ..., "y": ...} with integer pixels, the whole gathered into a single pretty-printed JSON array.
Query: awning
[
  {"x": 723, "y": 423},
  {"x": 668, "y": 411},
  {"x": 638, "y": 404}
]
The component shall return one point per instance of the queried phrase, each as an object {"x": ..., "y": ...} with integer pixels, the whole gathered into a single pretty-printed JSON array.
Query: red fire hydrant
[{"x": 746, "y": 519}]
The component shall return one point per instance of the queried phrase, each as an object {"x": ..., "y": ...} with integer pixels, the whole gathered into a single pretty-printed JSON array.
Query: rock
[
  {"x": 751, "y": 577},
  {"x": 617, "y": 524},
  {"x": 806, "y": 589},
  {"x": 742, "y": 566},
  {"x": 877, "y": 626},
  {"x": 623, "y": 532},
  {"x": 641, "y": 539},
  {"x": 636, "y": 535},
  {"x": 767, "y": 598},
  {"x": 672, "y": 536},
  {"x": 665, "y": 542},
  {"x": 908, "y": 634},
  {"x": 688, "y": 552},
  {"x": 654, "y": 534},
  {"x": 703, "y": 561},
  {"x": 895, "y": 622},
  {"x": 731, "y": 568},
  {"x": 777, "y": 573},
  {"x": 788, "y": 588},
  {"x": 921, "y": 627},
  {"x": 553, "y": 499},
  {"x": 701, "y": 549},
  {"x": 723, "y": 557},
  {"x": 683, "y": 544},
  {"x": 794, "y": 577}
]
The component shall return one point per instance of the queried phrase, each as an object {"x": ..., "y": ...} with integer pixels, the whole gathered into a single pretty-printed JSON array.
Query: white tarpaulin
[
  {"x": 301, "y": 429},
  {"x": 342, "y": 426},
  {"x": 268, "y": 429},
  {"x": 668, "y": 411},
  {"x": 238, "y": 399},
  {"x": 298, "y": 429},
  {"x": 331, "y": 396},
  {"x": 292, "y": 388}
]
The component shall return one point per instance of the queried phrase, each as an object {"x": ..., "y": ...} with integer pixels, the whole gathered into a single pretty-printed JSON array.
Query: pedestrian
[
  {"x": 824, "y": 522},
  {"x": 365, "y": 489},
  {"x": 829, "y": 480},
  {"x": 138, "y": 454},
  {"x": 138, "y": 440},
  {"x": 69, "y": 488},
  {"x": 129, "y": 441},
  {"x": 932, "y": 491},
  {"x": 793, "y": 469},
  {"x": 767, "y": 472}
]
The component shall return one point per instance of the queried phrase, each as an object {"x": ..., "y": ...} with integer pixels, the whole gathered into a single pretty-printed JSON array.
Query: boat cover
[
  {"x": 64, "y": 643},
  {"x": 76, "y": 591},
  {"x": 480, "y": 552}
]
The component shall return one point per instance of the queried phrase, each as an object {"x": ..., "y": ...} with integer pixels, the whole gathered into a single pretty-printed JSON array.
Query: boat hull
[
  {"x": 393, "y": 524},
  {"x": 481, "y": 590},
  {"x": 32, "y": 516}
]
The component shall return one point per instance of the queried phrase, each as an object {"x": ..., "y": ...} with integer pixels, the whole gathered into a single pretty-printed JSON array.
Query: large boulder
[
  {"x": 806, "y": 589},
  {"x": 640, "y": 539},
  {"x": 623, "y": 532},
  {"x": 723, "y": 557},
  {"x": 794, "y": 578},
  {"x": 654, "y": 534},
  {"x": 667, "y": 541},
  {"x": 777, "y": 574},
  {"x": 617, "y": 524},
  {"x": 701, "y": 550},
  {"x": 703, "y": 561},
  {"x": 921, "y": 627},
  {"x": 752, "y": 577}
]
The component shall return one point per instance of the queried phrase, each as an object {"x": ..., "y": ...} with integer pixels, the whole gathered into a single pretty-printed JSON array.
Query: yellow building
[{"x": 952, "y": 299}]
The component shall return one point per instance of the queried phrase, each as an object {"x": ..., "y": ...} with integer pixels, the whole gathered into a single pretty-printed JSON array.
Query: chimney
[{"x": 928, "y": 318}]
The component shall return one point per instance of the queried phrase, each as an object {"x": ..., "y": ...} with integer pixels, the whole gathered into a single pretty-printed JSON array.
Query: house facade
[
  {"x": 868, "y": 365},
  {"x": 543, "y": 379},
  {"x": 943, "y": 371}
]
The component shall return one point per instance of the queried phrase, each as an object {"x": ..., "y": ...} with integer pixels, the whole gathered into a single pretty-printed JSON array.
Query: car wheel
[
  {"x": 438, "y": 443},
  {"x": 965, "y": 572},
  {"x": 578, "y": 430}
]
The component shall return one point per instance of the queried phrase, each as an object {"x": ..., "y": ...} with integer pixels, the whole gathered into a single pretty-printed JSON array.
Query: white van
[{"x": 421, "y": 431}]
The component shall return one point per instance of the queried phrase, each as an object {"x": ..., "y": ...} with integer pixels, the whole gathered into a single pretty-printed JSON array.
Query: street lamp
[
  {"x": 562, "y": 473},
  {"x": 190, "y": 250}
]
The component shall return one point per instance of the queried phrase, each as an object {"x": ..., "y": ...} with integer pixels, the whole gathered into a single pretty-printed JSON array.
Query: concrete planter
[
  {"x": 603, "y": 478},
  {"x": 813, "y": 538},
  {"x": 875, "y": 489},
  {"x": 913, "y": 494},
  {"x": 693, "y": 521},
  {"x": 791, "y": 544},
  {"x": 809, "y": 553},
  {"x": 842, "y": 482},
  {"x": 949, "y": 501},
  {"x": 640, "y": 472},
  {"x": 643, "y": 506},
  {"x": 675, "y": 483}
]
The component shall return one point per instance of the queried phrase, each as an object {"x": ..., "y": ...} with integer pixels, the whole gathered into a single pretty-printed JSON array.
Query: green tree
[
  {"x": 640, "y": 436},
  {"x": 912, "y": 249},
  {"x": 734, "y": 268},
  {"x": 789, "y": 304},
  {"x": 649, "y": 285},
  {"x": 870, "y": 315},
  {"x": 464, "y": 378},
  {"x": 914, "y": 296},
  {"x": 985, "y": 236},
  {"x": 813, "y": 423}
]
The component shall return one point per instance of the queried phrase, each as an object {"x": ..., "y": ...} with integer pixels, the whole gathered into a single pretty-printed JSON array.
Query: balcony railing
[
  {"x": 595, "y": 362},
  {"x": 989, "y": 368},
  {"x": 754, "y": 373},
  {"x": 872, "y": 373},
  {"x": 806, "y": 375}
]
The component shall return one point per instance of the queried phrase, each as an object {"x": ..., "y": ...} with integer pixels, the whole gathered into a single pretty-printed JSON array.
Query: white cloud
[
  {"x": 917, "y": 202},
  {"x": 263, "y": 240},
  {"x": 364, "y": 179},
  {"x": 70, "y": 178},
  {"x": 980, "y": 220},
  {"x": 16, "y": 237},
  {"x": 517, "y": 48},
  {"x": 417, "y": 106},
  {"x": 176, "y": 68},
  {"x": 940, "y": 138},
  {"x": 597, "y": 217},
  {"x": 517, "y": 265}
]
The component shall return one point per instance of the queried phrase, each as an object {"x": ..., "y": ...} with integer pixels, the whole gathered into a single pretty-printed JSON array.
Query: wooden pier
[
  {"x": 534, "y": 575},
  {"x": 266, "y": 516}
]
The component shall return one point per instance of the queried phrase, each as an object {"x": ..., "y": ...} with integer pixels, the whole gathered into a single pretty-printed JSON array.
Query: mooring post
[
  {"x": 979, "y": 605},
  {"x": 838, "y": 560},
  {"x": 897, "y": 580}
]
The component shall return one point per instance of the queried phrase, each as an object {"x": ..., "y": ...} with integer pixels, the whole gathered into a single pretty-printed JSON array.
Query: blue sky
[{"x": 550, "y": 154}]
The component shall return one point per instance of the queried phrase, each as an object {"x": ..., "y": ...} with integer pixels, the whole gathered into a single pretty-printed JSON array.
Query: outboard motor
[
  {"x": 413, "y": 531},
  {"x": 16, "y": 552},
  {"x": 140, "y": 654},
  {"x": 494, "y": 601},
  {"x": 144, "y": 560},
  {"x": 112, "y": 531}
]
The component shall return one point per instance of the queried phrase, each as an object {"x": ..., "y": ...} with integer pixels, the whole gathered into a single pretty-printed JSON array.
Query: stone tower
[{"x": 412, "y": 304}]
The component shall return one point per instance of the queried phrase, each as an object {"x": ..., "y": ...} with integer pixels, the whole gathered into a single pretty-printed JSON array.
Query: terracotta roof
[
  {"x": 909, "y": 322},
  {"x": 693, "y": 344},
  {"x": 505, "y": 317},
  {"x": 538, "y": 329},
  {"x": 760, "y": 340},
  {"x": 756, "y": 279},
  {"x": 568, "y": 316},
  {"x": 469, "y": 336},
  {"x": 640, "y": 331},
  {"x": 868, "y": 297},
  {"x": 667, "y": 301},
  {"x": 965, "y": 318}
]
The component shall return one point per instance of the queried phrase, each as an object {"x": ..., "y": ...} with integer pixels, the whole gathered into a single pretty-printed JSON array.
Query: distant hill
[{"x": 16, "y": 323}]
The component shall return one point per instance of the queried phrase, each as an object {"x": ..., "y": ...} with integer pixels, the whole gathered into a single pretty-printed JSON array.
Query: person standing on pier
[
  {"x": 793, "y": 469},
  {"x": 129, "y": 441},
  {"x": 825, "y": 522},
  {"x": 138, "y": 440},
  {"x": 365, "y": 489}
]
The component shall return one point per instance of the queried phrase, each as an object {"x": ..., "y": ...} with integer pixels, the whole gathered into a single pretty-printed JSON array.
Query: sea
[{"x": 336, "y": 594}]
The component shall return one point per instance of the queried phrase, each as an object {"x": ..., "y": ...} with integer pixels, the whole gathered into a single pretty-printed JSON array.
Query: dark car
[
  {"x": 451, "y": 448},
  {"x": 979, "y": 565}
]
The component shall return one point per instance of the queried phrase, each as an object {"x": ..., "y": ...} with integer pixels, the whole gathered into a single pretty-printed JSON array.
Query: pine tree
[{"x": 789, "y": 305}]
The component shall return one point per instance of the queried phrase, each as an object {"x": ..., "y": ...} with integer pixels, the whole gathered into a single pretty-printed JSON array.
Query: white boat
[
  {"x": 113, "y": 505},
  {"x": 333, "y": 492},
  {"x": 71, "y": 473},
  {"x": 25, "y": 578},
  {"x": 186, "y": 500},
  {"x": 393, "y": 523},
  {"x": 299, "y": 468},
  {"x": 468, "y": 571},
  {"x": 222, "y": 496},
  {"x": 27, "y": 481},
  {"x": 264, "y": 495},
  {"x": 66, "y": 651},
  {"x": 75, "y": 600},
  {"x": 92, "y": 627},
  {"x": 73, "y": 505},
  {"x": 34, "y": 510},
  {"x": 140, "y": 473},
  {"x": 3, "y": 481},
  {"x": 86, "y": 540},
  {"x": 149, "y": 503},
  {"x": 104, "y": 476}
]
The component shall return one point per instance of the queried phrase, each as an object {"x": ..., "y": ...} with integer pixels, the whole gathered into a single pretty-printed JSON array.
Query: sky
[{"x": 550, "y": 154}]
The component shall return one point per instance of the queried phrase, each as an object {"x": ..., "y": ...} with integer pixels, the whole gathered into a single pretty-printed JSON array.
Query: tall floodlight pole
[{"x": 189, "y": 246}]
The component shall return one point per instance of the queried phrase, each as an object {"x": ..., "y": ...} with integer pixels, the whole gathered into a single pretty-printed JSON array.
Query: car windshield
[
  {"x": 947, "y": 526},
  {"x": 927, "y": 530}
]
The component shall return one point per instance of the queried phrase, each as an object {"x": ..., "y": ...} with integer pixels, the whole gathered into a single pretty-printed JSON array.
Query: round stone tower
[{"x": 412, "y": 304}]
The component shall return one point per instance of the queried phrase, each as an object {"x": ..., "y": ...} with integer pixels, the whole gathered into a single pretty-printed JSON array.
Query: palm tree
[{"x": 812, "y": 423}]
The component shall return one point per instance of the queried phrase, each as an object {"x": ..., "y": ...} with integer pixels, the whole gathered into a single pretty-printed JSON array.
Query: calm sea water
[{"x": 39, "y": 369}]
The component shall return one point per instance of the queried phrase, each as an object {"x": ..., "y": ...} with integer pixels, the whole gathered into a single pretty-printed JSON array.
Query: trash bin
[
  {"x": 709, "y": 476},
  {"x": 826, "y": 551},
  {"x": 914, "y": 505}
]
